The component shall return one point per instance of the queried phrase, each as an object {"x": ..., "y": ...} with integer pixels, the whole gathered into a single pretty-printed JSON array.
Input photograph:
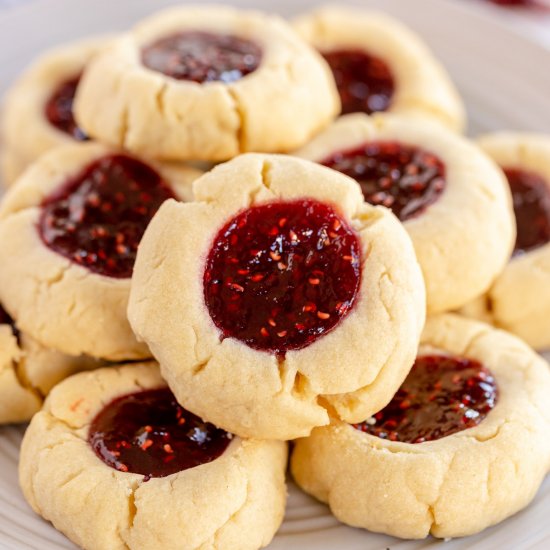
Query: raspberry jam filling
[
  {"x": 531, "y": 195},
  {"x": 149, "y": 433},
  {"x": 97, "y": 218},
  {"x": 203, "y": 56},
  {"x": 59, "y": 109},
  {"x": 365, "y": 83},
  {"x": 441, "y": 396},
  {"x": 280, "y": 275},
  {"x": 404, "y": 178}
]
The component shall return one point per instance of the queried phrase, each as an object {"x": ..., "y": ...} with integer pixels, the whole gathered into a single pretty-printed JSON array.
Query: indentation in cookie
[
  {"x": 531, "y": 194},
  {"x": 442, "y": 395},
  {"x": 281, "y": 275},
  {"x": 404, "y": 178},
  {"x": 97, "y": 218},
  {"x": 59, "y": 109},
  {"x": 365, "y": 83},
  {"x": 203, "y": 56},
  {"x": 149, "y": 433}
]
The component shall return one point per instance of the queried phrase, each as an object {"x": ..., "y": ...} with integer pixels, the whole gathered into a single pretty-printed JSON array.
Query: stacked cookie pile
[{"x": 299, "y": 289}]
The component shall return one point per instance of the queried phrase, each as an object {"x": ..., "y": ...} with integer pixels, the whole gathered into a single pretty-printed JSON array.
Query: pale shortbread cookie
[
  {"x": 453, "y": 486},
  {"x": 519, "y": 299},
  {"x": 235, "y": 501},
  {"x": 26, "y": 132},
  {"x": 28, "y": 371},
  {"x": 59, "y": 303},
  {"x": 422, "y": 85},
  {"x": 465, "y": 238},
  {"x": 277, "y": 107},
  {"x": 353, "y": 370}
]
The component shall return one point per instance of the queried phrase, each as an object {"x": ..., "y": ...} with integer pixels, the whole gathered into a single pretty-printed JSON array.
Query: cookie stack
[{"x": 219, "y": 311}]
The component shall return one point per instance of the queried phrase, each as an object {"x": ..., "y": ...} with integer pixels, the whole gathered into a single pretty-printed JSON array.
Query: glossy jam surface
[
  {"x": 148, "y": 433},
  {"x": 441, "y": 395},
  {"x": 404, "y": 178},
  {"x": 531, "y": 195},
  {"x": 97, "y": 218},
  {"x": 59, "y": 109},
  {"x": 203, "y": 56},
  {"x": 280, "y": 275},
  {"x": 365, "y": 83}
]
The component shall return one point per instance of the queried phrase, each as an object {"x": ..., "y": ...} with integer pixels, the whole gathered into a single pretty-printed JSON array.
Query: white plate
[{"x": 505, "y": 81}]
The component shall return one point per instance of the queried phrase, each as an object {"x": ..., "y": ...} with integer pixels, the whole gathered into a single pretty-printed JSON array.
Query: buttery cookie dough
[
  {"x": 207, "y": 83},
  {"x": 381, "y": 65},
  {"x": 281, "y": 280},
  {"x": 519, "y": 299},
  {"x": 452, "y": 198},
  {"x": 37, "y": 110},
  {"x": 69, "y": 230},
  {"x": 28, "y": 371},
  {"x": 450, "y": 486},
  {"x": 72, "y": 475}
]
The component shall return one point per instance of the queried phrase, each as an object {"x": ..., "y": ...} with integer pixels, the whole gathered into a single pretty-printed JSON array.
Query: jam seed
[
  {"x": 146, "y": 444},
  {"x": 323, "y": 315}
]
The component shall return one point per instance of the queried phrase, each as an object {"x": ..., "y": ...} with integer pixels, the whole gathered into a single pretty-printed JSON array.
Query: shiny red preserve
[
  {"x": 442, "y": 395},
  {"x": 149, "y": 433},
  {"x": 97, "y": 218},
  {"x": 365, "y": 83},
  {"x": 281, "y": 275},
  {"x": 402, "y": 177},
  {"x": 203, "y": 56}
]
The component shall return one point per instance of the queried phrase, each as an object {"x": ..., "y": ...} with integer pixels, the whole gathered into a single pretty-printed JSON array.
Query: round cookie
[
  {"x": 381, "y": 65},
  {"x": 207, "y": 83},
  {"x": 198, "y": 485},
  {"x": 37, "y": 110},
  {"x": 70, "y": 229},
  {"x": 28, "y": 371},
  {"x": 281, "y": 280},
  {"x": 519, "y": 299},
  {"x": 455, "y": 483},
  {"x": 452, "y": 198}
]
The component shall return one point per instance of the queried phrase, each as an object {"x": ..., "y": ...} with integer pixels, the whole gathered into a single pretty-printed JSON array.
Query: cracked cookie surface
[
  {"x": 519, "y": 299},
  {"x": 56, "y": 299},
  {"x": 452, "y": 486},
  {"x": 224, "y": 82},
  {"x": 453, "y": 201},
  {"x": 354, "y": 368},
  {"x": 381, "y": 65},
  {"x": 99, "y": 507}
]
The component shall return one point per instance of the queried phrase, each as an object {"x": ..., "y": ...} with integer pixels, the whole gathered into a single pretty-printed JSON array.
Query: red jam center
[
  {"x": 149, "y": 433},
  {"x": 404, "y": 178},
  {"x": 531, "y": 195},
  {"x": 59, "y": 109},
  {"x": 441, "y": 396},
  {"x": 97, "y": 219},
  {"x": 281, "y": 275},
  {"x": 365, "y": 83},
  {"x": 203, "y": 56}
]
